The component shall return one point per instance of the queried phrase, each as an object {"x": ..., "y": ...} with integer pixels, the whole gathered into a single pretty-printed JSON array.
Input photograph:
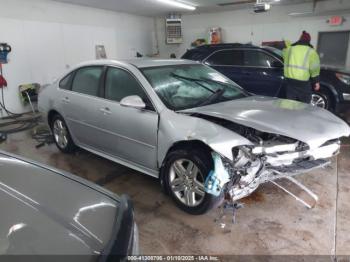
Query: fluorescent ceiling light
[{"x": 178, "y": 4}]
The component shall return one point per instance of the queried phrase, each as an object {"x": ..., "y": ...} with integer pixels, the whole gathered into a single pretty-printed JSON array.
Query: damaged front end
[{"x": 270, "y": 158}]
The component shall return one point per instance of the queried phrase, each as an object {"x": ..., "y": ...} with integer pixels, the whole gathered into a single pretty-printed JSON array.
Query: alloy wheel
[
  {"x": 319, "y": 101},
  {"x": 60, "y": 133},
  {"x": 187, "y": 182}
]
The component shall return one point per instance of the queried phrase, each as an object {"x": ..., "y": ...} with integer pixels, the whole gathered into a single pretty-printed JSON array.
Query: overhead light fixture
[{"x": 178, "y": 4}]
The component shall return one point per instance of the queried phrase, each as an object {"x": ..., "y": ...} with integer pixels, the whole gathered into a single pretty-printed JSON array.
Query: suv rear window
[
  {"x": 257, "y": 58},
  {"x": 195, "y": 55},
  {"x": 227, "y": 57}
]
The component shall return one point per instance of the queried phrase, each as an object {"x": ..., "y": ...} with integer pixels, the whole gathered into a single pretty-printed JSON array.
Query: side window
[
  {"x": 66, "y": 82},
  {"x": 226, "y": 57},
  {"x": 87, "y": 80},
  {"x": 120, "y": 84},
  {"x": 258, "y": 59}
]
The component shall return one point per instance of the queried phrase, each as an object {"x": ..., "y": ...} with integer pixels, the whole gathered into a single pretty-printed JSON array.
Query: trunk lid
[{"x": 46, "y": 212}]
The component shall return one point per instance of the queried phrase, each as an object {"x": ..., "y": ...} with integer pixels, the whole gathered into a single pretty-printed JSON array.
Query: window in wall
[{"x": 333, "y": 48}]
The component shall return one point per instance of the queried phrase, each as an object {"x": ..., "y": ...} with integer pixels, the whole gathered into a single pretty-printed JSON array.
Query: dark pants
[{"x": 299, "y": 90}]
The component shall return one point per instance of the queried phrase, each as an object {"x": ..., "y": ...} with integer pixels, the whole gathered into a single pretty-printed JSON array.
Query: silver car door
[
  {"x": 130, "y": 134},
  {"x": 81, "y": 106}
]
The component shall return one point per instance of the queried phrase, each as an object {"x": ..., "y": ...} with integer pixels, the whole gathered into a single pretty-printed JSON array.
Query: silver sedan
[{"x": 188, "y": 125}]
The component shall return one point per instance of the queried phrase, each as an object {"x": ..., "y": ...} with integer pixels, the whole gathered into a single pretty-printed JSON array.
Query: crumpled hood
[{"x": 311, "y": 125}]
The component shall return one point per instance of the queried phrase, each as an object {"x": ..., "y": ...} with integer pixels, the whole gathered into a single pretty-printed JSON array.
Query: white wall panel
[
  {"x": 246, "y": 26},
  {"x": 47, "y": 37},
  {"x": 44, "y": 50}
]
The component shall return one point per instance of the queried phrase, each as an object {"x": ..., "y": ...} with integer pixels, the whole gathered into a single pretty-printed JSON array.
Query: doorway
[{"x": 333, "y": 48}]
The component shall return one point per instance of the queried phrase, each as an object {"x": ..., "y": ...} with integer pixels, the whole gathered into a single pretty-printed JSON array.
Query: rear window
[
  {"x": 195, "y": 55},
  {"x": 227, "y": 57},
  {"x": 257, "y": 58}
]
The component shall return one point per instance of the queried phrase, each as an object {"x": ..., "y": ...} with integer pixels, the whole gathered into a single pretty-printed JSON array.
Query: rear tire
[
  {"x": 184, "y": 175},
  {"x": 61, "y": 135}
]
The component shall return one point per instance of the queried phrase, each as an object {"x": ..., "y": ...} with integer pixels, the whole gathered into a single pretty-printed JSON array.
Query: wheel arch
[
  {"x": 183, "y": 144},
  {"x": 51, "y": 115},
  {"x": 331, "y": 91}
]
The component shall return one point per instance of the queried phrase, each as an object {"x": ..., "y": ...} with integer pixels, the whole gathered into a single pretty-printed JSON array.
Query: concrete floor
[{"x": 272, "y": 222}]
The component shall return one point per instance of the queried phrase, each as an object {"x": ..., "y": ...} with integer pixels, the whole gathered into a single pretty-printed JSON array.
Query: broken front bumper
[
  {"x": 275, "y": 165},
  {"x": 269, "y": 174}
]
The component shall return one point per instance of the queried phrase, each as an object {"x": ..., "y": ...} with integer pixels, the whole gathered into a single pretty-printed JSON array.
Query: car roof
[
  {"x": 144, "y": 63},
  {"x": 224, "y": 46},
  {"x": 139, "y": 63},
  {"x": 201, "y": 52}
]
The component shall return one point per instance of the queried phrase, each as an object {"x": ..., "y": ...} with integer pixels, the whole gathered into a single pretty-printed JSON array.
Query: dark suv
[{"x": 259, "y": 70}]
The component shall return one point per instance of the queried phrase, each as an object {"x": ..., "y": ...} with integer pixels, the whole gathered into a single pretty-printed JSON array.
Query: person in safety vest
[{"x": 301, "y": 69}]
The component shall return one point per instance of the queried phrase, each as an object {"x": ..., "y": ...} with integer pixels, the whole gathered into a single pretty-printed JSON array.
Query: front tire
[
  {"x": 184, "y": 175},
  {"x": 61, "y": 135}
]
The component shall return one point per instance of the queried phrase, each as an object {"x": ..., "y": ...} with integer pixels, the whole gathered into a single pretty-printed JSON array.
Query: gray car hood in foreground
[
  {"x": 44, "y": 212},
  {"x": 300, "y": 121}
]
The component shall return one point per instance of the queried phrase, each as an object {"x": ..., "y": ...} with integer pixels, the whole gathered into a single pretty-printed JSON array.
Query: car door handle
[
  {"x": 65, "y": 100},
  {"x": 106, "y": 111}
]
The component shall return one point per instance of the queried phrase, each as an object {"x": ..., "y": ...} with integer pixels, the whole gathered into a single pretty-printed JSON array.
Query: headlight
[
  {"x": 344, "y": 78},
  {"x": 241, "y": 156}
]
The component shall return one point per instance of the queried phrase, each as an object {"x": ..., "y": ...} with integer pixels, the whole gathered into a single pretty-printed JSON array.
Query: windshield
[{"x": 188, "y": 86}]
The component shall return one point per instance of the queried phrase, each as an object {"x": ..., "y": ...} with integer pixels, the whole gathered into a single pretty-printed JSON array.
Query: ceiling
[{"x": 156, "y": 8}]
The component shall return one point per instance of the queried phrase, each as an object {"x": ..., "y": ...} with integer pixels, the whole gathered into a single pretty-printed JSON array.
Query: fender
[
  {"x": 332, "y": 89},
  {"x": 218, "y": 138}
]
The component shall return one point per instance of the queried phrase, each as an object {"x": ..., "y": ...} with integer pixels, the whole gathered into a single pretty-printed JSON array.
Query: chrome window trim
[
  {"x": 103, "y": 98},
  {"x": 242, "y": 49}
]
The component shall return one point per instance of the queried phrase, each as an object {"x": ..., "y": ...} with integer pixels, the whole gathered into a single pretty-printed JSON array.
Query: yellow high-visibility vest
[{"x": 301, "y": 62}]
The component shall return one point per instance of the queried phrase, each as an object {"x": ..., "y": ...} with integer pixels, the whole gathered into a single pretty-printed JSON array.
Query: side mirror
[{"x": 133, "y": 101}]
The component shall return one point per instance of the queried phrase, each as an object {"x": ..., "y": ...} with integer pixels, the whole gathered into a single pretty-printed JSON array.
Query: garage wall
[
  {"x": 49, "y": 37},
  {"x": 245, "y": 26}
]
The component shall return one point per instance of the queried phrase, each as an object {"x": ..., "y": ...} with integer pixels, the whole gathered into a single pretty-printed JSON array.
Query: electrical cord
[
  {"x": 14, "y": 123},
  {"x": 18, "y": 126},
  {"x": 40, "y": 132},
  {"x": 2, "y": 104},
  {"x": 43, "y": 136}
]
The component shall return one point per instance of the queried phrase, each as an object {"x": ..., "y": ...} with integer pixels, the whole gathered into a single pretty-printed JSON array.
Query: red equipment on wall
[
  {"x": 5, "y": 49},
  {"x": 3, "y": 82}
]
